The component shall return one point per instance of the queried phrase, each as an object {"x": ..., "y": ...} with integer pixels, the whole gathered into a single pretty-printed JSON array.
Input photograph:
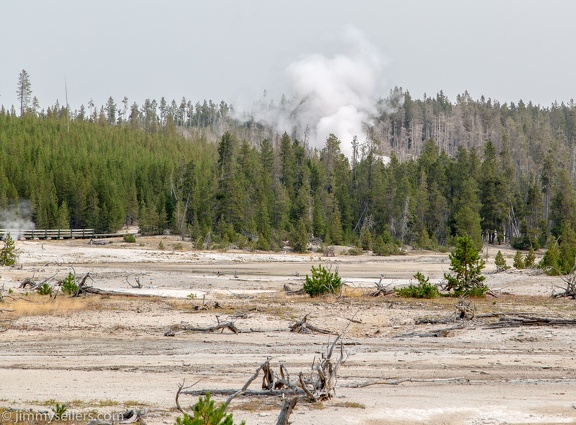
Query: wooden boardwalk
[{"x": 57, "y": 234}]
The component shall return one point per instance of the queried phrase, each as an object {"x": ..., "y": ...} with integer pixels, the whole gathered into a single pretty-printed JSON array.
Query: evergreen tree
[
  {"x": 493, "y": 196},
  {"x": 8, "y": 253},
  {"x": 24, "y": 91},
  {"x": 467, "y": 216},
  {"x": 500, "y": 262},
  {"x": 111, "y": 110},
  {"x": 518, "y": 261},
  {"x": 530, "y": 259},
  {"x": 467, "y": 265},
  {"x": 300, "y": 237}
]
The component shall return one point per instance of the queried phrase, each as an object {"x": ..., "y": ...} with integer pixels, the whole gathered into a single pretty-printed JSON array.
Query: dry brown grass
[
  {"x": 258, "y": 405},
  {"x": 42, "y": 305},
  {"x": 349, "y": 405}
]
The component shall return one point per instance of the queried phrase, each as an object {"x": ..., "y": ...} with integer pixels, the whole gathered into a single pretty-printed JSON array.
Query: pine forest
[{"x": 430, "y": 170}]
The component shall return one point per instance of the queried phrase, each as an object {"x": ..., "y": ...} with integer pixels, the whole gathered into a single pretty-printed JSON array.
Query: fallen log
[
  {"x": 524, "y": 320},
  {"x": 403, "y": 380},
  {"x": 439, "y": 333},
  {"x": 219, "y": 327},
  {"x": 236, "y": 392}
]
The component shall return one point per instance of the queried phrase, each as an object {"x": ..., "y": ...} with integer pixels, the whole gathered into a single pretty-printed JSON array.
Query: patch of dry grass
[
  {"x": 42, "y": 305},
  {"x": 258, "y": 405},
  {"x": 349, "y": 405}
]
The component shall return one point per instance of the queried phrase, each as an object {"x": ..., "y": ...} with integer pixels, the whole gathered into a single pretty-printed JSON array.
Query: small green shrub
[
  {"x": 379, "y": 247},
  {"x": 354, "y": 250},
  {"x": 424, "y": 289},
  {"x": 130, "y": 238},
  {"x": 478, "y": 291},
  {"x": 322, "y": 281},
  {"x": 69, "y": 286},
  {"x": 8, "y": 253},
  {"x": 500, "y": 262},
  {"x": 206, "y": 413},
  {"x": 518, "y": 261},
  {"x": 178, "y": 246},
  {"x": 366, "y": 239},
  {"x": 45, "y": 289},
  {"x": 530, "y": 259},
  {"x": 59, "y": 411},
  {"x": 161, "y": 246}
]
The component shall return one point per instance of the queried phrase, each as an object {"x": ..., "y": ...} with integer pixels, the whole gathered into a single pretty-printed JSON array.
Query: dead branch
[
  {"x": 439, "y": 333},
  {"x": 28, "y": 282},
  {"x": 180, "y": 388},
  {"x": 309, "y": 394},
  {"x": 290, "y": 291},
  {"x": 569, "y": 289},
  {"x": 131, "y": 416},
  {"x": 220, "y": 327},
  {"x": 465, "y": 310},
  {"x": 207, "y": 306},
  {"x": 247, "y": 384},
  {"x": 381, "y": 289},
  {"x": 138, "y": 284},
  {"x": 303, "y": 327},
  {"x": 82, "y": 287}
]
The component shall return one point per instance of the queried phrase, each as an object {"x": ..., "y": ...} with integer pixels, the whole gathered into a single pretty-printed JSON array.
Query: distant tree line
[{"x": 498, "y": 173}]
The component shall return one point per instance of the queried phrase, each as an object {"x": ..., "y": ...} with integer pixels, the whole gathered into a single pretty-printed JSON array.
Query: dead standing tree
[{"x": 569, "y": 289}]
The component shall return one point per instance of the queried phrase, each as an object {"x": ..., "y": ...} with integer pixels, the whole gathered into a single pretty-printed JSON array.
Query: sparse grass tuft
[
  {"x": 317, "y": 406},
  {"x": 349, "y": 405},
  {"x": 257, "y": 405}
]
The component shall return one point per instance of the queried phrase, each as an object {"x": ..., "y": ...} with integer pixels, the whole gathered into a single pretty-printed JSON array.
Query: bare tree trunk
[{"x": 287, "y": 408}]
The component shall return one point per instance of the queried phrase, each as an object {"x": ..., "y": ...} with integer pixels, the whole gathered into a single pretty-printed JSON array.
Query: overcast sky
[{"x": 233, "y": 50}]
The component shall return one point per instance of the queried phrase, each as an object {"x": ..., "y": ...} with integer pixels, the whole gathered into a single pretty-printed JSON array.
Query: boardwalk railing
[{"x": 49, "y": 233}]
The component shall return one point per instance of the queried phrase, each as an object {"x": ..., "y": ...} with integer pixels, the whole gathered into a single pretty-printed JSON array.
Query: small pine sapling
[
  {"x": 8, "y": 253},
  {"x": 518, "y": 261},
  {"x": 500, "y": 262}
]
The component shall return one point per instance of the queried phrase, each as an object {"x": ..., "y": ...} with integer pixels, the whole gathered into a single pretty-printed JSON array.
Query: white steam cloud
[
  {"x": 16, "y": 219},
  {"x": 331, "y": 94}
]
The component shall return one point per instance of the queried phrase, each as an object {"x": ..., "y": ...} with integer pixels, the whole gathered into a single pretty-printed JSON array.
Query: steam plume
[
  {"x": 16, "y": 219},
  {"x": 331, "y": 94}
]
